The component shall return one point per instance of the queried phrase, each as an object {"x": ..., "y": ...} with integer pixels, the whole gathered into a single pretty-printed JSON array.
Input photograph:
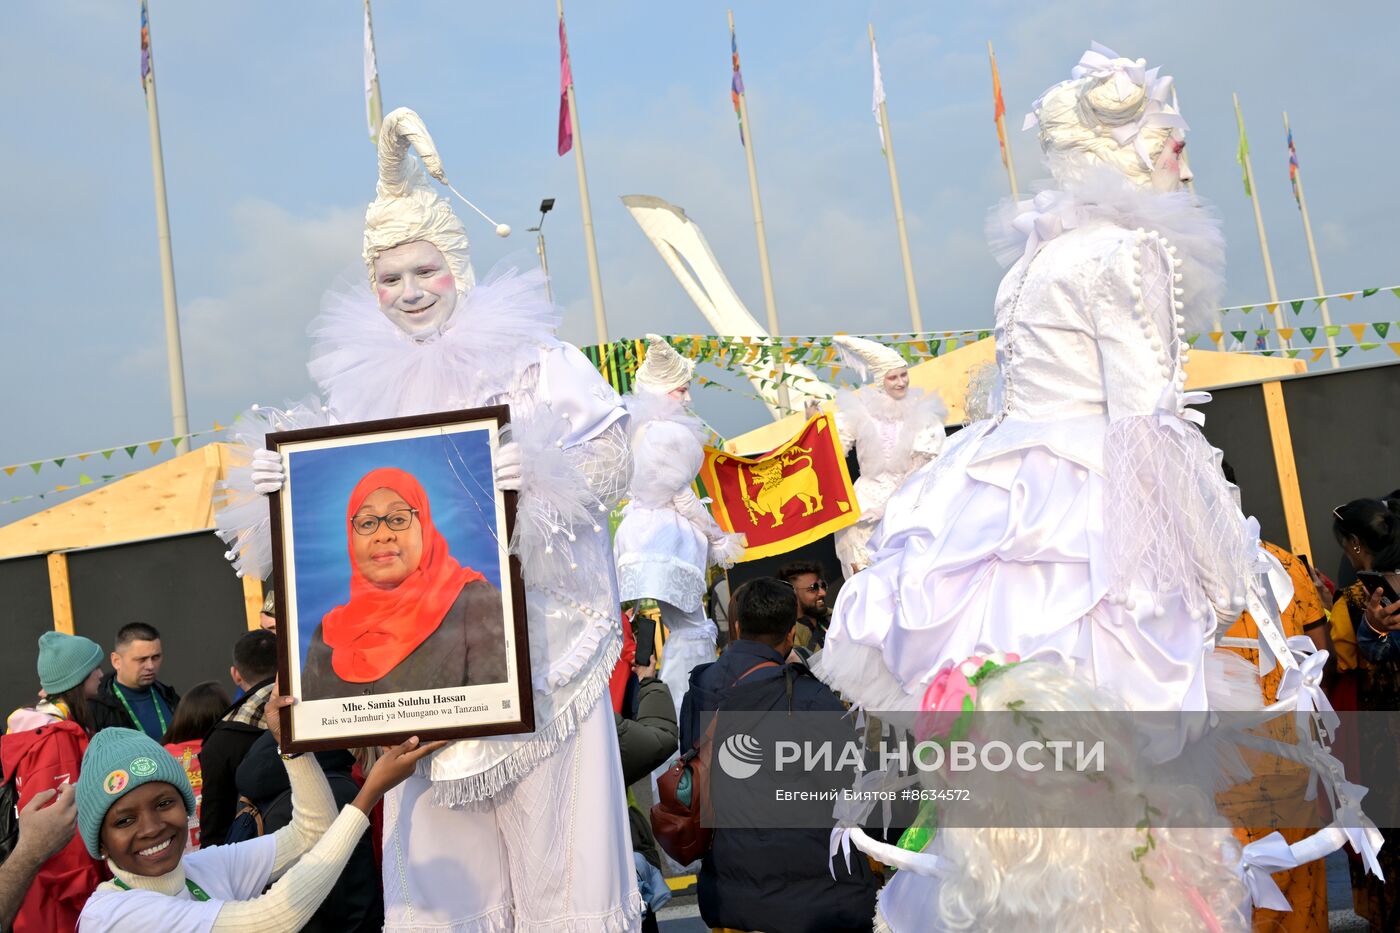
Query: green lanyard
[
  {"x": 196, "y": 891},
  {"x": 155, "y": 701}
]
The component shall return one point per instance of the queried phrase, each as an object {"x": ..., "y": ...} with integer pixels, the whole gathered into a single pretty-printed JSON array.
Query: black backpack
[
  {"x": 248, "y": 821},
  {"x": 9, "y": 818}
]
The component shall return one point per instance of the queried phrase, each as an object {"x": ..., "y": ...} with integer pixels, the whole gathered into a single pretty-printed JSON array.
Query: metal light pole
[{"x": 546, "y": 206}]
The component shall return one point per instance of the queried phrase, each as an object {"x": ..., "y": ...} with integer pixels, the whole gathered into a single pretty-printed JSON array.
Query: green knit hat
[
  {"x": 66, "y": 660},
  {"x": 116, "y": 762}
]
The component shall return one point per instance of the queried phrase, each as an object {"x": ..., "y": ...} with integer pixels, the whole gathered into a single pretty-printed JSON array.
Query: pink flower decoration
[{"x": 943, "y": 703}]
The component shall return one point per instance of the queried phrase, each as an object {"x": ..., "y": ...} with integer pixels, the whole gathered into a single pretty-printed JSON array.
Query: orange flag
[{"x": 785, "y": 498}]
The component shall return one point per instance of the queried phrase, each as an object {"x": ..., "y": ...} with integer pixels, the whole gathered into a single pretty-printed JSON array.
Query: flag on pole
[
  {"x": 736, "y": 83},
  {"x": 374, "y": 109},
  {"x": 879, "y": 94},
  {"x": 146, "y": 71},
  {"x": 566, "y": 81},
  {"x": 998, "y": 112},
  {"x": 1293, "y": 168},
  {"x": 1241, "y": 153}
]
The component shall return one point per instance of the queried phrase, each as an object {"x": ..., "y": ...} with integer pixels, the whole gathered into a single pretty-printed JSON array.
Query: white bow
[
  {"x": 1259, "y": 860},
  {"x": 1305, "y": 683},
  {"x": 1365, "y": 838},
  {"x": 840, "y": 839},
  {"x": 1043, "y": 218},
  {"x": 1102, "y": 62}
]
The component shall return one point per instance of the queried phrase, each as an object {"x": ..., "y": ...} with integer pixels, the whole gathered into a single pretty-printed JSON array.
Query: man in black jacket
[
  {"x": 132, "y": 697},
  {"x": 775, "y": 880},
  {"x": 254, "y": 670}
]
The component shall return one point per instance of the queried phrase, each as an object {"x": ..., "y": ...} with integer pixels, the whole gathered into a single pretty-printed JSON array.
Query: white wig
[
  {"x": 663, "y": 369},
  {"x": 406, "y": 207},
  {"x": 872, "y": 361},
  {"x": 1113, "y": 111}
]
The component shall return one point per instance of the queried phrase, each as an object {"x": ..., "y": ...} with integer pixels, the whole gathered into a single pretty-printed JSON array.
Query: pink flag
[{"x": 566, "y": 80}]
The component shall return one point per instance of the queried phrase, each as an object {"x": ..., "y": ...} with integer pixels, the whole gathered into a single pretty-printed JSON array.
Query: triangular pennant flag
[
  {"x": 1333, "y": 329},
  {"x": 35, "y": 467},
  {"x": 1272, "y": 306},
  {"x": 176, "y": 441},
  {"x": 1357, "y": 330},
  {"x": 83, "y": 457},
  {"x": 58, "y": 461},
  {"x": 1395, "y": 347},
  {"x": 1369, "y": 346},
  {"x": 983, "y": 334},
  {"x": 1382, "y": 327},
  {"x": 1239, "y": 334},
  {"x": 952, "y": 344},
  {"x": 1317, "y": 353},
  {"x": 130, "y": 451},
  {"x": 10, "y": 471},
  {"x": 107, "y": 454},
  {"x": 935, "y": 346},
  {"x": 61, "y": 489},
  {"x": 154, "y": 445},
  {"x": 1191, "y": 339},
  {"x": 1215, "y": 336},
  {"x": 1297, "y": 306},
  {"x": 1286, "y": 333},
  {"x": 1342, "y": 351},
  {"x": 1293, "y": 354},
  {"x": 84, "y": 479},
  {"x": 1347, "y": 295},
  {"x": 1308, "y": 333},
  {"x": 1395, "y": 292},
  {"x": 1245, "y": 309},
  {"x": 1367, "y": 293},
  {"x": 218, "y": 427}
]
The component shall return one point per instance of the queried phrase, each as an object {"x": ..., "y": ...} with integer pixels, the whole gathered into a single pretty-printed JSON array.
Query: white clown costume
[
  {"x": 892, "y": 436},
  {"x": 1086, "y": 527},
  {"x": 667, "y": 540},
  {"x": 524, "y": 832}
]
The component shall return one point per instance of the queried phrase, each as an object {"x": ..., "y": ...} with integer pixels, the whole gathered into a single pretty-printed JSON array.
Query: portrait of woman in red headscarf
[{"x": 416, "y": 618}]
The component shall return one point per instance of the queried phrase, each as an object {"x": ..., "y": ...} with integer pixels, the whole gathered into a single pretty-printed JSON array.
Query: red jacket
[{"x": 37, "y": 760}]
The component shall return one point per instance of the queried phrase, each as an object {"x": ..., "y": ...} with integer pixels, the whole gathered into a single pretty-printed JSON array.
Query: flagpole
[
  {"x": 178, "y": 412},
  {"x": 1312, "y": 254},
  {"x": 1259, "y": 225},
  {"x": 1001, "y": 128},
  {"x": 914, "y": 316},
  {"x": 595, "y": 278},
  {"x": 374, "y": 108},
  {"x": 770, "y": 303}
]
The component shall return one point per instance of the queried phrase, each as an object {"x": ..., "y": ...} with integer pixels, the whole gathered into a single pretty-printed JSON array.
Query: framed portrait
[{"x": 400, "y": 610}]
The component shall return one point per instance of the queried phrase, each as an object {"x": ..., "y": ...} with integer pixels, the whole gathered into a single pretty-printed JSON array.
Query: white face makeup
[
  {"x": 897, "y": 383},
  {"x": 415, "y": 287},
  {"x": 1170, "y": 172},
  {"x": 681, "y": 394}
]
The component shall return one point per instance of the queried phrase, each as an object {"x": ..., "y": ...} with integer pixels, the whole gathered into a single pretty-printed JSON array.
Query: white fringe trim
[
  {"x": 477, "y": 788},
  {"x": 497, "y": 920},
  {"x": 626, "y": 918}
]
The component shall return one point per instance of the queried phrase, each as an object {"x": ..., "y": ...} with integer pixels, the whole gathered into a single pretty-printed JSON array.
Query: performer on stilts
[
  {"x": 517, "y": 832},
  {"x": 895, "y": 429},
  {"x": 667, "y": 540}
]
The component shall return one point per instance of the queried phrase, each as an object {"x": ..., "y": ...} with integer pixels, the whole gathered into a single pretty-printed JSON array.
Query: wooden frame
[{"x": 467, "y": 680}]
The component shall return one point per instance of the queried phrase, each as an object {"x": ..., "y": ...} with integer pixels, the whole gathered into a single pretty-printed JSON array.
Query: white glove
[
  {"x": 509, "y": 466},
  {"x": 269, "y": 472}
]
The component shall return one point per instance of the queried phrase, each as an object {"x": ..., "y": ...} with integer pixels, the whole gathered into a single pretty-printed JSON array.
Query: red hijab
[{"x": 378, "y": 628}]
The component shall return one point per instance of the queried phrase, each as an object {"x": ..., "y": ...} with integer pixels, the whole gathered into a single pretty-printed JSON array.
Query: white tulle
[
  {"x": 1104, "y": 195},
  {"x": 369, "y": 368},
  {"x": 241, "y": 515}
]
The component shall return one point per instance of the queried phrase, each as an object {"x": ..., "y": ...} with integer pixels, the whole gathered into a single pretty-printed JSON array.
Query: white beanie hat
[
  {"x": 407, "y": 208},
  {"x": 663, "y": 369},
  {"x": 873, "y": 361}
]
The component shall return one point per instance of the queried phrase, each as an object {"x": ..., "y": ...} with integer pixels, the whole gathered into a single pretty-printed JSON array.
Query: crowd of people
[{"x": 1080, "y": 549}]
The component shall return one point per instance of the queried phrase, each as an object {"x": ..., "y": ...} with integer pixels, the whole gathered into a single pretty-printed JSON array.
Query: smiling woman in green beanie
[
  {"x": 133, "y": 803},
  {"x": 42, "y": 751}
]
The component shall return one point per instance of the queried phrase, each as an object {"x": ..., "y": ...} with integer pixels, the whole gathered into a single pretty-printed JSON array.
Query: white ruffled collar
[
  {"x": 1019, "y": 230},
  {"x": 369, "y": 368}
]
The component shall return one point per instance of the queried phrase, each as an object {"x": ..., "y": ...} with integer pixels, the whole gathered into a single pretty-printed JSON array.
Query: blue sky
[{"x": 269, "y": 168}]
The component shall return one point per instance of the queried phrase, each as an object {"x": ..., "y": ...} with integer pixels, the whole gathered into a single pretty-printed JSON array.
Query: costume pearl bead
[{"x": 1158, "y": 612}]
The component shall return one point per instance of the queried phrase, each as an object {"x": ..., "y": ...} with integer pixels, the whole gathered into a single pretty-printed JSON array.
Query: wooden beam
[
  {"x": 1289, "y": 490},
  {"x": 59, "y": 593},
  {"x": 252, "y": 602}
]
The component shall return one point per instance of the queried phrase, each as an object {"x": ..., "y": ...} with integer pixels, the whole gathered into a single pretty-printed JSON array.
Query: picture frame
[{"x": 400, "y": 610}]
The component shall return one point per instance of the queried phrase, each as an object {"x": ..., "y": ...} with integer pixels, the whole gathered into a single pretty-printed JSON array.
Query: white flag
[
  {"x": 373, "y": 108},
  {"x": 879, "y": 93}
]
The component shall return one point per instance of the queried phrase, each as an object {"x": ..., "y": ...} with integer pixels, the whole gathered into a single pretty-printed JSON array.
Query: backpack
[
  {"x": 683, "y": 796},
  {"x": 248, "y": 820},
  {"x": 9, "y": 818}
]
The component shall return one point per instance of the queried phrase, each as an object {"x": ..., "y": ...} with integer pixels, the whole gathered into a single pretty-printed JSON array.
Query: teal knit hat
[
  {"x": 66, "y": 660},
  {"x": 116, "y": 762}
]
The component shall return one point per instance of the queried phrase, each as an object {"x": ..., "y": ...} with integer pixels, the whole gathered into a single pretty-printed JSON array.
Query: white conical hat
[
  {"x": 871, "y": 360},
  {"x": 407, "y": 208},
  {"x": 663, "y": 369}
]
